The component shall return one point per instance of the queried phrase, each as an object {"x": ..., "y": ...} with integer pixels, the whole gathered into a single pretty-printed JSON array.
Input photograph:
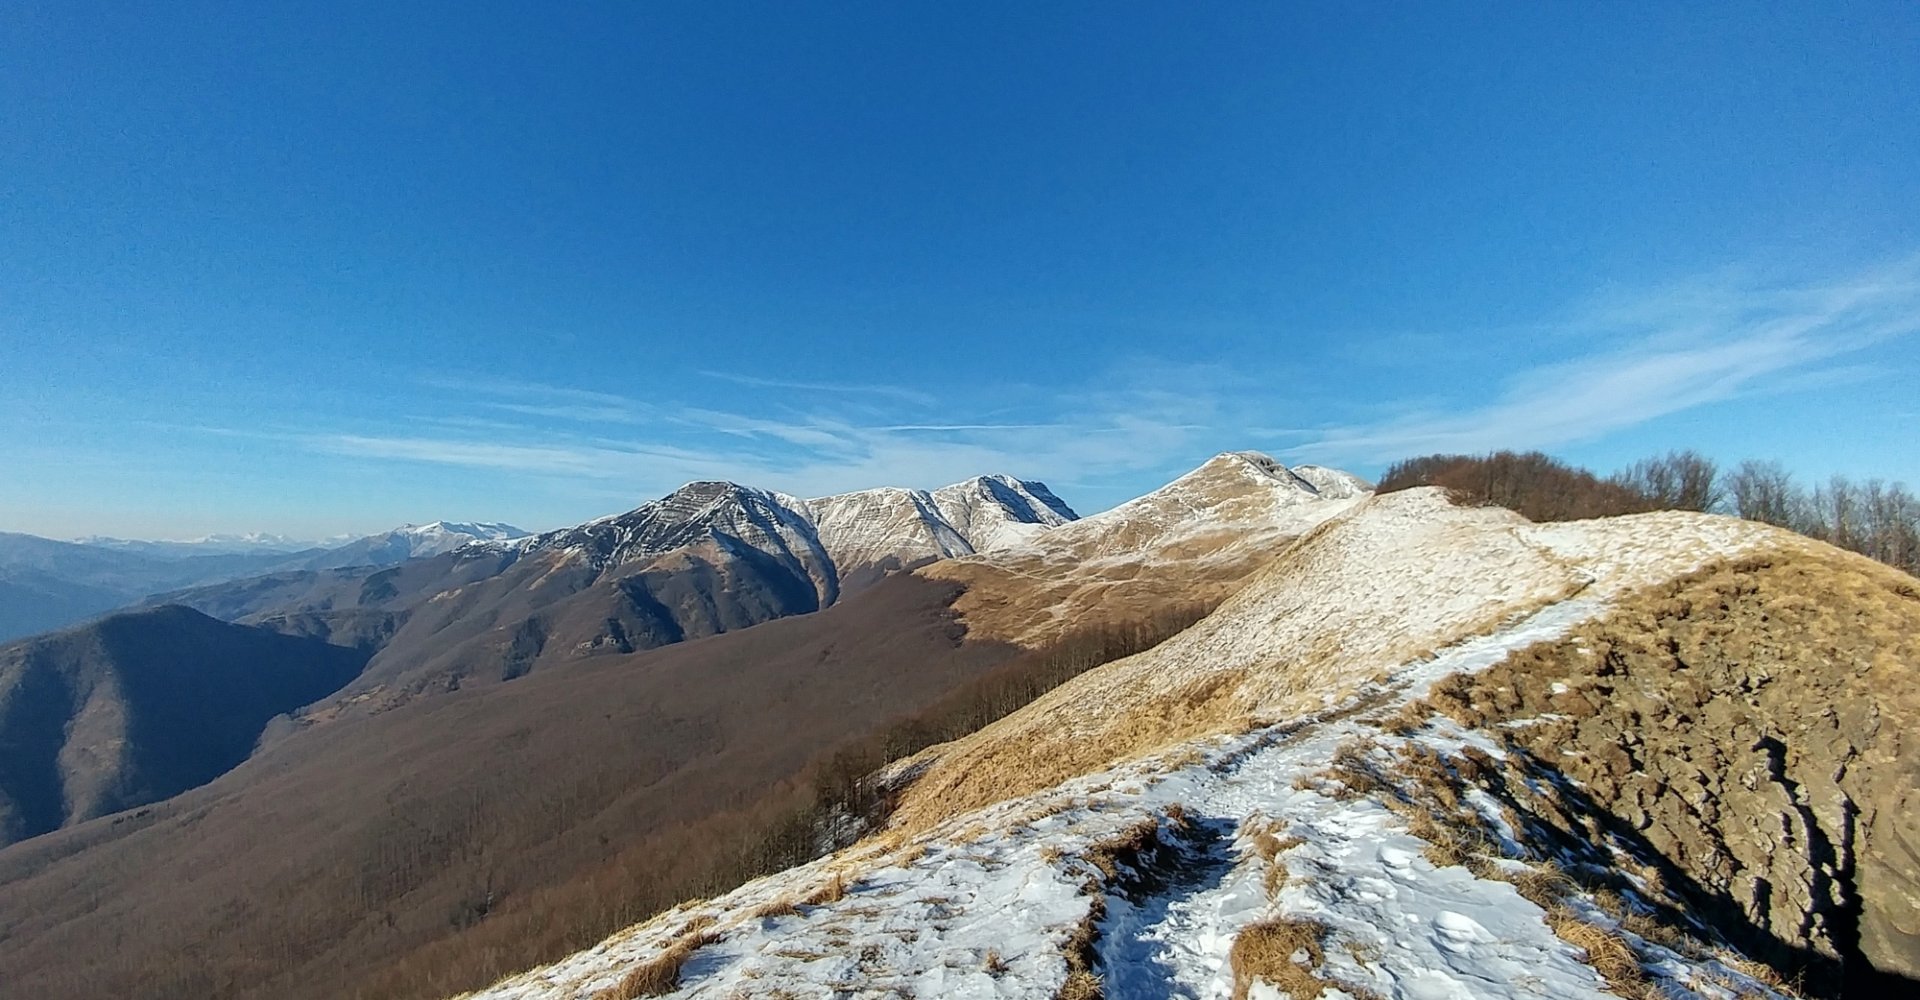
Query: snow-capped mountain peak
[
  {"x": 996, "y": 511},
  {"x": 892, "y": 527},
  {"x": 722, "y": 513},
  {"x": 442, "y": 536},
  {"x": 1245, "y": 494},
  {"x": 408, "y": 541}
]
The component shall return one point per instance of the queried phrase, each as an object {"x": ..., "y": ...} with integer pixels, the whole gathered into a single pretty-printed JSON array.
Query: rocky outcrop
[{"x": 1753, "y": 724}]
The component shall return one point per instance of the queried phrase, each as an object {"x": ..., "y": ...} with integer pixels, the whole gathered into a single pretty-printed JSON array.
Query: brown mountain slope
[
  {"x": 136, "y": 707},
  {"x": 433, "y": 846},
  {"x": 708, "y": 558}
]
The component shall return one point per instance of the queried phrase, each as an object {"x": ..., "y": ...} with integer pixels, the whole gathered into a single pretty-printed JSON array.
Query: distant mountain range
[
  {"x": 47, "y": 584},
  {"x": 707, "y": 558},
  {"x": 214, "y": 544}
]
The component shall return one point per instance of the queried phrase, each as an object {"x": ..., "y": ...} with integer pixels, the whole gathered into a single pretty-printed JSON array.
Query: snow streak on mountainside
[
  {"x": 445, "y": 536},
  {"x": 720, "y": 518},
  {"x": 1265, "y": 801},
  {"x": 828, "y": 538},
  {"x": 871, "y": 528}
]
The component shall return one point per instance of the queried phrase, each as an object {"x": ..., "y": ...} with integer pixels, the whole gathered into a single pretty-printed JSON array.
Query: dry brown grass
[
  {"x": 1356, "y": 775},
  {"x": 1760, "y": 973},
  {"x": 1108, "y": 855},
  {"x": 1606, "y": 951},
  {"x": 1661, "y": 933},
  {"x": 697, "y": 923},
  {"x": 1270, "y": 838},
  {"x": 1081, "y": 984},
  {"x": 1452, "y": 839},
  {"x": 831, "y": 891},
  {"x": 1079, "y": 951},
  {"x": 993, "y": 964},
  {"x": 1266, "y": 951},
  {"x": 1412, "y": 717},
  {"x": 1544, "y": 885},
  {"x": 777, "y": 908},
  {"x": 659, "y": 975}
]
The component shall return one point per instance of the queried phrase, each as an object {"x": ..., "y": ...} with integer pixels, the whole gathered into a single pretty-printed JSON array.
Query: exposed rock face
[{"x": 1755, "y": 724}]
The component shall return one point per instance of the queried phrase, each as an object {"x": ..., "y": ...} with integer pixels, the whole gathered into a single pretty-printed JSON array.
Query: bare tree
[
  {"x": 1678, "y": 480},
  {"x": 1890, "y": 525},
  {"x": 1831, "y": 513},
  {"x": 1763, "y": 491}
]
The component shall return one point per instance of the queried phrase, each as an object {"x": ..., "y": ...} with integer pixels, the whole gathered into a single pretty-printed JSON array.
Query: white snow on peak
[
  {"x": 701, "y": 513},
  {"x": 436, "y": 537},
  {"x": 1332, "y": 484},
  {"x": 870, "y": 527},
  {"x": 1235, "y": 502},
  {"x": 831, "y": 537},
  {"x": 997, "y": 511}
]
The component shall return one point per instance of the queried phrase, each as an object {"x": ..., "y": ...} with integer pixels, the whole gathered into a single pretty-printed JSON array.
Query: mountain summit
[
  {"x": 873, "y": 532},
  {"x": 1192, "y": 540}
]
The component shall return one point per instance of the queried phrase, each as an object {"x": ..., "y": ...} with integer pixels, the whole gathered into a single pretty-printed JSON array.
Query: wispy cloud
[
  {"x": 838, "y": 388},
  {"x": 579, "y": 413},
  {"x": 574, "y": 460},
  {"x": 945, "y": 428},
  {"x": 1662, "y": 352},
  {"x": 539, "y": 391},
  {"x": 1147, "y": 415}
]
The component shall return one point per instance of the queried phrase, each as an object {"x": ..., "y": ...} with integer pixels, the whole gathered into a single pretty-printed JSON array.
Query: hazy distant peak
[{"x": 473, "y": 530}]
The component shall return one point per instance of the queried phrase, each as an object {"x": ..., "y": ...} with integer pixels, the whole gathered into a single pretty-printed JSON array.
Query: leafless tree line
[{"x": 1874, "y": 517}]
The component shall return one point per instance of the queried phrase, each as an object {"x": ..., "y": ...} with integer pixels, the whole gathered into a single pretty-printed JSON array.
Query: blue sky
[{"x": 325, "y": 268}]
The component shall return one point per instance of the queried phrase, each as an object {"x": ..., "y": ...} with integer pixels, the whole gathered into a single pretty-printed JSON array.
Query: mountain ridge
[
  {"x": 708, "y": 557},
  {"x": 1333, "y": 782}
]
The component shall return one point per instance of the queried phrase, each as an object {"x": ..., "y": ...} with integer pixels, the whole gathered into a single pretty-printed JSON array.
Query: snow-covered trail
[
  {"x": 1398, "y": 925},
  {"x": 1140, "y": 941}
]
